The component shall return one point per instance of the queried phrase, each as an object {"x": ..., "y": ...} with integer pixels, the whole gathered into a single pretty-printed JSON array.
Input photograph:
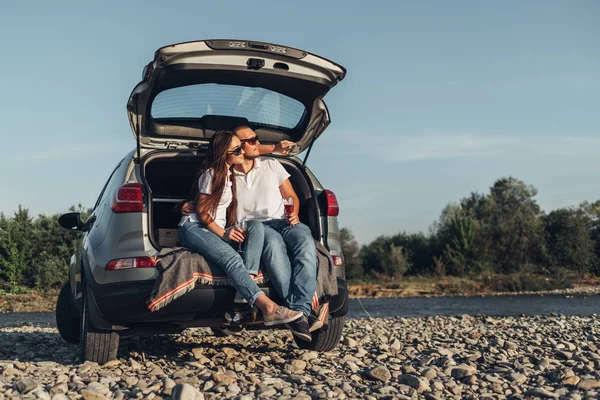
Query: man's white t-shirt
[
  {"x": 204, "y": 185},
  {"x": 258, "y": 195}
]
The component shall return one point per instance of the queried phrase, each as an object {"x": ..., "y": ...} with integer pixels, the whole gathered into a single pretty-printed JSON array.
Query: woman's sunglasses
[
  {"x": 251, "y": 141},
  {"x": 236, "y": 152}
]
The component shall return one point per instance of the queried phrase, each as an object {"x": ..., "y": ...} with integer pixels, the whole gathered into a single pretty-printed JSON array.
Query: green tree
[
  {"x": 16, "y": 246},
  {"x": 568, "y": 239},
  {"x": 351, "y": 251},
  {"x": 511, "y": 225},
  {"x": 459, "y": 250}
]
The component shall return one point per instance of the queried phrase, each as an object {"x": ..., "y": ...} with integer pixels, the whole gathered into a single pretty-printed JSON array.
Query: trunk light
[
  {"x": 129, "y": 263},
  {"x": 338, "y": 261},
  {"x": 128, "y": 198},
  {"x": 333, "y": 208}
]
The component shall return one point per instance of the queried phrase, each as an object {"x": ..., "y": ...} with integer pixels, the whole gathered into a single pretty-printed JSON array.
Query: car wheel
[
  {"x": 222, "y": 332},
  {"x": 67, "y": 318},
  {"x": 96, "y": 345},
  {"x": 324, "y": 339}
]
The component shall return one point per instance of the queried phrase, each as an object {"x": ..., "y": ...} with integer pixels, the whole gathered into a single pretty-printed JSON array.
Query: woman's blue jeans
[{"x": 214, "y": 249}]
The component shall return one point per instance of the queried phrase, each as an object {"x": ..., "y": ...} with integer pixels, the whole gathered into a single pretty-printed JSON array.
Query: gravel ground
[{"x": 393, "y": 358}]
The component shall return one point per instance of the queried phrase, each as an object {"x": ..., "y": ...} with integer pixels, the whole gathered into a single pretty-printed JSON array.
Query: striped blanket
[{"x": 180, "y": 270}]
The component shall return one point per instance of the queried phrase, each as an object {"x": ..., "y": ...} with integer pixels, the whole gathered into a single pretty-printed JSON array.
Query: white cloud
[{"x": 437, "y": 146}]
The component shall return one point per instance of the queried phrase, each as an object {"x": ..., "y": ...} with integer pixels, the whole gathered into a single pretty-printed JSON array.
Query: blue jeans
[
  {"x": 252, "y": 246},
  {"x": 290, "y": 258},
  {"x": 214, "y": 249}
]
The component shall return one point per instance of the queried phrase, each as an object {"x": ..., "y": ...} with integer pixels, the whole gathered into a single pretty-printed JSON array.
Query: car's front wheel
[
  {"x": 96, "y": 345},
  {"x": 67, "y": 317},
  {"x": 324, "y": 339}
]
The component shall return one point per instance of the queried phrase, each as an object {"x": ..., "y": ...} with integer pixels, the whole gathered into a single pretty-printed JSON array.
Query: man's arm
[
  {"x": 283, "y": 147},
  {"x": 287, "y": 191}
]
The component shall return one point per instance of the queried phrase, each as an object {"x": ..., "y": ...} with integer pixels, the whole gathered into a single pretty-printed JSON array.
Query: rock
[
  {"x": 229, "y": 352},
  {"x": 98, "y": 387},
  {"x": 588, "y": 384},
  {"x": 380, "y": 373},
  {"x": 60, "y": 396},
  {"x": 184, "y": 391},
  {"x": 414, "y": 382},
  {"x": 42, "y": 394},
  {"x": 541, "y": 392},
  {"x": 168, "y": 385},
  {"x": 224, "y": 379},
  {"x": 25, "y": 386},
  {"x": 299, "y": 364},
  {"x": 565, "y": 355},
  {"x": 516, "y": 377},
  {"x": 462, "y": 371},
  {"x": 309, "y": 355},
  {"x": 112, "y": 364},
  {"x": 429, "y": 373},
  {"x": 396, "y": 345},
  {"x": 267, "y": 392},
  {"x": 571, "y": 380},
  {"x": 349, "y": 342},
  {"x": 60, "y": 388},
  {"x": 9, "y": 371},
  {"x": 91, "y": 395}
]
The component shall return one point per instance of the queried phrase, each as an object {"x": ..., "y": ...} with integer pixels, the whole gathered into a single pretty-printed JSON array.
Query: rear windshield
[{"x": 257, "y": 105}]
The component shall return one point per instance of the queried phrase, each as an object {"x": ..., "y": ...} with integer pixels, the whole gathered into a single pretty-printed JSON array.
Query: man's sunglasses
[
  {"x": 251, "y": 141},
  {"x": 236, "y": 152}
]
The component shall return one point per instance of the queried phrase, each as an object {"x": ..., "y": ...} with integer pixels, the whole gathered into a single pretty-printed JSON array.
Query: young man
[{"x": 289, "y": 253}]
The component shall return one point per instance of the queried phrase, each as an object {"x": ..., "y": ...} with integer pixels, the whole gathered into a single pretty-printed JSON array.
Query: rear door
[{"x": 190, "y": 90}]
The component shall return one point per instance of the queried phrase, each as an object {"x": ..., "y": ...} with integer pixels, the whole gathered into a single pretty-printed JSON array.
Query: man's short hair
[{"x": 239, "y": 128}]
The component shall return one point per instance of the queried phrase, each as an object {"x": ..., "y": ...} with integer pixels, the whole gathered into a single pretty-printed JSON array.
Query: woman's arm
[{"x": 235, "y": 234}]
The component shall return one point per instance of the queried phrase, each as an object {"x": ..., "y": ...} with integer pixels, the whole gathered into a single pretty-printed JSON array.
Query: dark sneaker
[
  {"x": 299, "y": 328},
  {"x": 281, "y": 316},
  {"x": 314, "y": 323}
]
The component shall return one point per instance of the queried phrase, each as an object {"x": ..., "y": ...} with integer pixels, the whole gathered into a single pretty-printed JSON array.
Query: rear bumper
[{"x": 121, "y": 306}]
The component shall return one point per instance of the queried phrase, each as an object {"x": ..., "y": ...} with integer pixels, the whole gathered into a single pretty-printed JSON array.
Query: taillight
[
  {"x": 338, "y": 261},
  {"x": 333, "y": 208},
  {"x": 129, "y": 263},
  {"x": 128, "y": 198}
]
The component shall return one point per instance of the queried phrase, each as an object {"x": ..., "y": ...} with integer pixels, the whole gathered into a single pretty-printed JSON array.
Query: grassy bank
[
  {"x": 27, "y": 300},
  {"x": 416, "y": 286}
]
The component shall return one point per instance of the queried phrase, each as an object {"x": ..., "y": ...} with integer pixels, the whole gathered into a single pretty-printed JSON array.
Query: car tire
[
  {"x": 222, "y": 332},
  {"x": 326, "y": 338},
  {"x": 96, "y": 345},
  {"x": 67, "y": 317}
]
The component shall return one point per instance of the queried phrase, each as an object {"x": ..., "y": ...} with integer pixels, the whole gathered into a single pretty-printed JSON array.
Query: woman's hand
[
  {"x": 189, "y": 207},
  {"x": 234, "y": 235},
  {"x": 293, "y": 218}
]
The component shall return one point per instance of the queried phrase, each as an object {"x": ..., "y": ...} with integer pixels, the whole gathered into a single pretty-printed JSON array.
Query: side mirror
[{"x": 70, "y": 221}]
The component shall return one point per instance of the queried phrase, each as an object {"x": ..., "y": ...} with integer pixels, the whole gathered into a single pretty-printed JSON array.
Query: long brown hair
[{"x": 217, "y": 154}]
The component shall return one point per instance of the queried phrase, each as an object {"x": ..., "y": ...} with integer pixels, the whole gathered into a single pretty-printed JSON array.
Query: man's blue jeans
[
  {"x": 214, "y": 249},
  {"x": 290, "y": 258}
]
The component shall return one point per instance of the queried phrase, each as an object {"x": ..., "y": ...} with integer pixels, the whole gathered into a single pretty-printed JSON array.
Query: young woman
[{"x": 205, "y": 233}]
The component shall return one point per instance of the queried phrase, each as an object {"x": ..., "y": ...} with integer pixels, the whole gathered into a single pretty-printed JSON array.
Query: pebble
[{"x": 456, "y": 357}]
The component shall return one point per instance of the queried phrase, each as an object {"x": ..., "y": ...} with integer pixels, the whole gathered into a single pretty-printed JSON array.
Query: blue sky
[{"x": 441, "y": 98}]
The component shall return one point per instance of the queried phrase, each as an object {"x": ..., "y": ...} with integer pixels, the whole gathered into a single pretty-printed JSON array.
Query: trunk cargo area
[{"x": 170, "y": 176}]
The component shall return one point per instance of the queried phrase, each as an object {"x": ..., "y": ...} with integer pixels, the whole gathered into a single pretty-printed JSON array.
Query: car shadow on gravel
[{"x": 29, "y": 343}]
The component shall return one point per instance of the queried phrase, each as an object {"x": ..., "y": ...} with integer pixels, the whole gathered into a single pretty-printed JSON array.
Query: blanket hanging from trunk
[{"x": 180, "y": 270}]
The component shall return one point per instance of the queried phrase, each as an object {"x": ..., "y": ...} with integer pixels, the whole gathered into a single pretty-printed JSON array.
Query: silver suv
[{"x": 188, "y": 92}]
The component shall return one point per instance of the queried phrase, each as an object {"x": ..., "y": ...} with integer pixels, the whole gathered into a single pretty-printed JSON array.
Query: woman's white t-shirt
[{"x": 204, "y": 185}]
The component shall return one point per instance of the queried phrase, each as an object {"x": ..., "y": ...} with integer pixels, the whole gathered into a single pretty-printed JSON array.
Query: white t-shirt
[
  {"x": 258, "y": 195},
  {"x": 204, "y": 185}
]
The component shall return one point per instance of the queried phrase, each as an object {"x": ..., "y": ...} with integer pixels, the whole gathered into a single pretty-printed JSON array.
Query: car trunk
[{"x": 169, "y": 177}]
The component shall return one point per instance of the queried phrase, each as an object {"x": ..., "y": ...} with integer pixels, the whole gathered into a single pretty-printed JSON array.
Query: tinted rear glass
[{"x": 257, "y": 105}]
